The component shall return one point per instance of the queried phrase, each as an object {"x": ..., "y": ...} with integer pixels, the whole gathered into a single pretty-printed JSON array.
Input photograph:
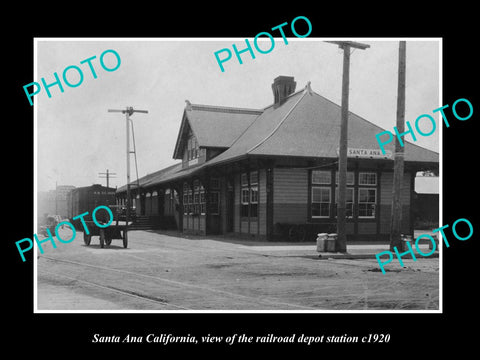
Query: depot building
[{"x": 271, "y": 173}]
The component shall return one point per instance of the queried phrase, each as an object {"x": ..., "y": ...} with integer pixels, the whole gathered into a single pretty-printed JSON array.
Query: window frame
[
  {"x": 249, "y": 195},
  {"x": 244, "y": 202},
  {"x": 358, "y": 182},
  {"x": 202, "y": 201},
  {"x": 314, "y": 187},
  {"x": 186, "y": 187},
  {"x": 253, "y": 211},
  {"x": 374, "y": 203},
  {"x": 192, "y": 148},
  {"x": 375, "y": 176},
  {"x": 321, "y": 183}
]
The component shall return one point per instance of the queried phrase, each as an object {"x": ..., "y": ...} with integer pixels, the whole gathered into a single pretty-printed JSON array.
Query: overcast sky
[{"x": 77, "y": 138}]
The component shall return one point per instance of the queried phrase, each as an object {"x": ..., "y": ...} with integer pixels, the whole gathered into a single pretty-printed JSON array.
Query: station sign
[{"x": 367, "y": 153}]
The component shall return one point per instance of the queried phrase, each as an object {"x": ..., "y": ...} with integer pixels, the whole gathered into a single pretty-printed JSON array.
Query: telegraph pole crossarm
[
  {"x": 107, "y": 175},
  {"x": 128, "y": 112},
  {"x": 351, "y": 44},
  {"x": 341, "y": 245}
]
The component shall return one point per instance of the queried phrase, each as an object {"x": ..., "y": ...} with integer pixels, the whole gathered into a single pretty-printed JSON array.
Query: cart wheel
[
  {"x": 102, "y": 238},
  {"x": 125, "y": 239},
  {"x": 87, "y": 238}
]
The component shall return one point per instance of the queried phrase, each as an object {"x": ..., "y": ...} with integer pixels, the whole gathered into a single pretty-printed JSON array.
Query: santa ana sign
[{"x": 368, "y": 153}]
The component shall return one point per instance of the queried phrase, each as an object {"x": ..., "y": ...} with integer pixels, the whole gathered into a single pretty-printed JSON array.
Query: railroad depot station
[{"x": 262, "y": 172}]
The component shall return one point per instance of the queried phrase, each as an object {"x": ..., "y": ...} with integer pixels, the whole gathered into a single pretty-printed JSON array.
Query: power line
[{"x": 107, "y": 176}]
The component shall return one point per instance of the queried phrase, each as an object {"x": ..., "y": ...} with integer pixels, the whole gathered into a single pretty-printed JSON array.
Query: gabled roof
[
  {"x": 308, "y": 125},
  {"x": 305, "y": 125},
  {"x": 213, "y": 126}
]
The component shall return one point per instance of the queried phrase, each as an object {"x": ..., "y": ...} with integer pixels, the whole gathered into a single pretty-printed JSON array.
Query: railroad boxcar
[{"x": 86, "y": 199}]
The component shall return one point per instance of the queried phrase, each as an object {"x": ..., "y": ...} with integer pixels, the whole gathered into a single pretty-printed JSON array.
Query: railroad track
[
  {"x": 174, "y": 286},
  {"x": 132, "y": 294}
]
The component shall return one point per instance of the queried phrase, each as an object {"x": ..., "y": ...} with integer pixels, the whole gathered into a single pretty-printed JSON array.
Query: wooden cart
[{"x": 116, "y": 230}]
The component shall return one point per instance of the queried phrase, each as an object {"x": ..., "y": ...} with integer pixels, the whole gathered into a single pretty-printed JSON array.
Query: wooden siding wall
[
  {"x": 236, "y": 203},
  {"x": 290, "y": 195},
  {"x": 364, "y": 228},
  {"x": 262, "y": 202}
]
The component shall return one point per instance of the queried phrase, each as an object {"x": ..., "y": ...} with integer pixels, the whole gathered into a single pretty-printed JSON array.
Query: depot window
[
  {"x": 367, "y": 194},
  {"x": 321, "y": 177},
  {"x": 202, "y": 200},
  {"x": 367, "y": 178},
  {"x": 185, "y": 198},
  {"x": 192, "y": 148},
  {"x": 367, "y": 198},
  {"x": 196, "y": 197},
  {"x": 249, "y": 195},
  {"x": 321, "y": 193},
  {"x": 214, "y": 196},
  {"x": 321, "y": 199}
]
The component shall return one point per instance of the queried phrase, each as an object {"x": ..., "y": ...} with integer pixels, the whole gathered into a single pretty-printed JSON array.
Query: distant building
[
  {"x": 263, "y": 172},
  {"x": 54, "y": 202}
]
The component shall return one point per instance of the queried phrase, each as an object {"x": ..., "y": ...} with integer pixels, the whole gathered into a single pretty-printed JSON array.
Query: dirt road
[{"x": 163, "y": 272}]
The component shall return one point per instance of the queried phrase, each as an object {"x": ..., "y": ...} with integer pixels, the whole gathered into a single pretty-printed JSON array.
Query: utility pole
[
  {"x": 128, "y": 112},
  {"x": 398, "y": 164},
  {"x": 56, "y": 198},
  {"x": 341, "y": 245},
  {"x": 107, "y": 176}
]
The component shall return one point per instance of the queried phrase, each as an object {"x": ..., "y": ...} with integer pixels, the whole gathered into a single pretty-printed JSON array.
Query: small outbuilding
[{"x": 426, "y": 202}]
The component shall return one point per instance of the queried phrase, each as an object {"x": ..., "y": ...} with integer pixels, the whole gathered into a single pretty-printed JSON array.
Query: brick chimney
[{"x": 282, "y": 87}]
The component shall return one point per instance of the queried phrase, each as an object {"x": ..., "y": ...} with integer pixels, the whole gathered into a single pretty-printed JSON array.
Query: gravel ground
[{"x": 162, "y": 272}]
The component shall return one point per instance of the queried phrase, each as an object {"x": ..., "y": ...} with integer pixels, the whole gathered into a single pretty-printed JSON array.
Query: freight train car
[{"x": 86, "y": 199}]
